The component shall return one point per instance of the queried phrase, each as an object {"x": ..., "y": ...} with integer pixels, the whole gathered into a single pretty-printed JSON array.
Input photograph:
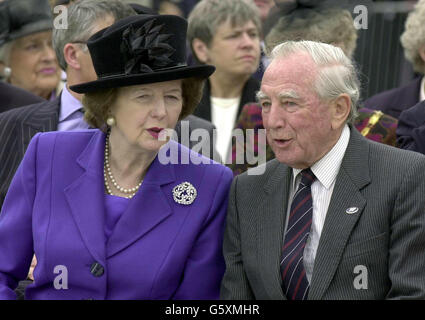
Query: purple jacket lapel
[
  {"x": 85, "y": 197},
  {"x": 86, "y": 194},
  {"x": 146, "y": 210}
]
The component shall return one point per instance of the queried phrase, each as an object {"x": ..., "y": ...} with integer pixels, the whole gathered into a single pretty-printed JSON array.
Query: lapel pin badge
[
  {"x": 351, "y": 210},
  {"x": 184, "y": 193}
]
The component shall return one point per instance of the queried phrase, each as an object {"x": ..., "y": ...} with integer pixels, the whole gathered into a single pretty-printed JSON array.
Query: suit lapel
[
  {"x": 271, "y": 215},
  {"x": 352, "y": 177},
  {"x": 148, "y": 208},
  {"x": 85, "y": 197},
  {"x": 42, "y": 119}
]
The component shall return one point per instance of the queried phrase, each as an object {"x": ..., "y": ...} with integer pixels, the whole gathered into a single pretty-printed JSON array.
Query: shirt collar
[
  {"x": 327, "y": 168},
  {"x": 69, "y": 104},
  {"x": 422, "y": 90}
]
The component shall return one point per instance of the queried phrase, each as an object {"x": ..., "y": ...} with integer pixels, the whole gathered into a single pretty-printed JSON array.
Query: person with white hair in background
[{"x": 26, "y": 54}]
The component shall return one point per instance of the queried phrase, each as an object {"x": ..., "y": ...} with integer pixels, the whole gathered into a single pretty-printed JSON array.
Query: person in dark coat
[
  {"x": 411, "y": 128},
  {"x": 395, "y": 101},
  {"x": 12, "y": 97}
]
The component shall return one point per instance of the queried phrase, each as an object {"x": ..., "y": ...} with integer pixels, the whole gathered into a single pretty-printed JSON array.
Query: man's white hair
[{"x": 336, "y": 72}]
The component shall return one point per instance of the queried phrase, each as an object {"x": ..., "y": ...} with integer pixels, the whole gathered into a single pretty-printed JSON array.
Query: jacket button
[{"x": 96, "y": 269}]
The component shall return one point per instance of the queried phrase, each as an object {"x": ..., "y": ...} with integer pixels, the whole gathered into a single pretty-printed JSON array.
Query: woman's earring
[
  {"x": 110, "y": 121},
  {"x": 7, "y": 72}
]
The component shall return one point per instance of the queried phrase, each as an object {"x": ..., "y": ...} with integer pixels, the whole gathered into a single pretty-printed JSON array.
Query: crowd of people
[{"x": 127, "y": 142}]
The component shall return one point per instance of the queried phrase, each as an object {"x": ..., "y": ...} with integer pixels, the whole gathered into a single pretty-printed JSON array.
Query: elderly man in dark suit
[
  {"x": 396, "y": 100},
  {"x": 335, "y": 215}
]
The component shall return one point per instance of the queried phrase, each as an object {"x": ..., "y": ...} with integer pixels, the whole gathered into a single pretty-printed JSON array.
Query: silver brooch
[{"x": 184, "y": 193}]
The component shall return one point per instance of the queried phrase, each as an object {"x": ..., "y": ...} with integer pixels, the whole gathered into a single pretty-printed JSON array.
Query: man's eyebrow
[
  {"x": 260, "y": 95},
  {"x": 289, "y": 94}
]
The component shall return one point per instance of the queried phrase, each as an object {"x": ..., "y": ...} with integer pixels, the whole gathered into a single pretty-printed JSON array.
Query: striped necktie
[{"x": 295, "y": 283}]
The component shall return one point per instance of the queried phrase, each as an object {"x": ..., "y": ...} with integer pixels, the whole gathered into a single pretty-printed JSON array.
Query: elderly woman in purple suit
[{"x": 106, "y": 216}]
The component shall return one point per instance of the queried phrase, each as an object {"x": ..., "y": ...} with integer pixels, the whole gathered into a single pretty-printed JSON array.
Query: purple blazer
[{"x": 159, "y": 249}]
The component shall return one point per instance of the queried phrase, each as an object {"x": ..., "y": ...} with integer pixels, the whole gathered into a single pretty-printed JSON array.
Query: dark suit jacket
[
  {"x": 203, "y": 110},
  {"x": 13, "y": 97},
  {"x": 411, "y": 128},
  {"x": 386, "y": 235},
  {"x": 394, "y": 101},
  {"x": 18, "y": 126}
]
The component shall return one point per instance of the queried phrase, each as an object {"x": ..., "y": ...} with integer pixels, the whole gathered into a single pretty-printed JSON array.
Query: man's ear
[
  {"x": 201, "y": 50},
  {"x": 340, "y": 107},
  {"x": 70, "y": 53}
]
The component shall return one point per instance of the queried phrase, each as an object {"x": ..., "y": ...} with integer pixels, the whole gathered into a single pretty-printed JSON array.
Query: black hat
[
  {"x": 19, "y": 18},
  {"x": 141, "y": 49}
]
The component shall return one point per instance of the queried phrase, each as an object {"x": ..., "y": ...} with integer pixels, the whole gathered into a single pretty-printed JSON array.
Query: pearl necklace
[{"x": 107, "y": 171}]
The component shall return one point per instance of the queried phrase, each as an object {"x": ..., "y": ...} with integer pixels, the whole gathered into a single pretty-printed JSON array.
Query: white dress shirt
[
  {"x": 422, "y": 90},
  {"x": 325, "y": 170}
]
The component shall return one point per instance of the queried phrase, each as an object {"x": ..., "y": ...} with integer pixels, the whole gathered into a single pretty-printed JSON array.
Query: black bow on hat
[{"x": 138, "y": 50}]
